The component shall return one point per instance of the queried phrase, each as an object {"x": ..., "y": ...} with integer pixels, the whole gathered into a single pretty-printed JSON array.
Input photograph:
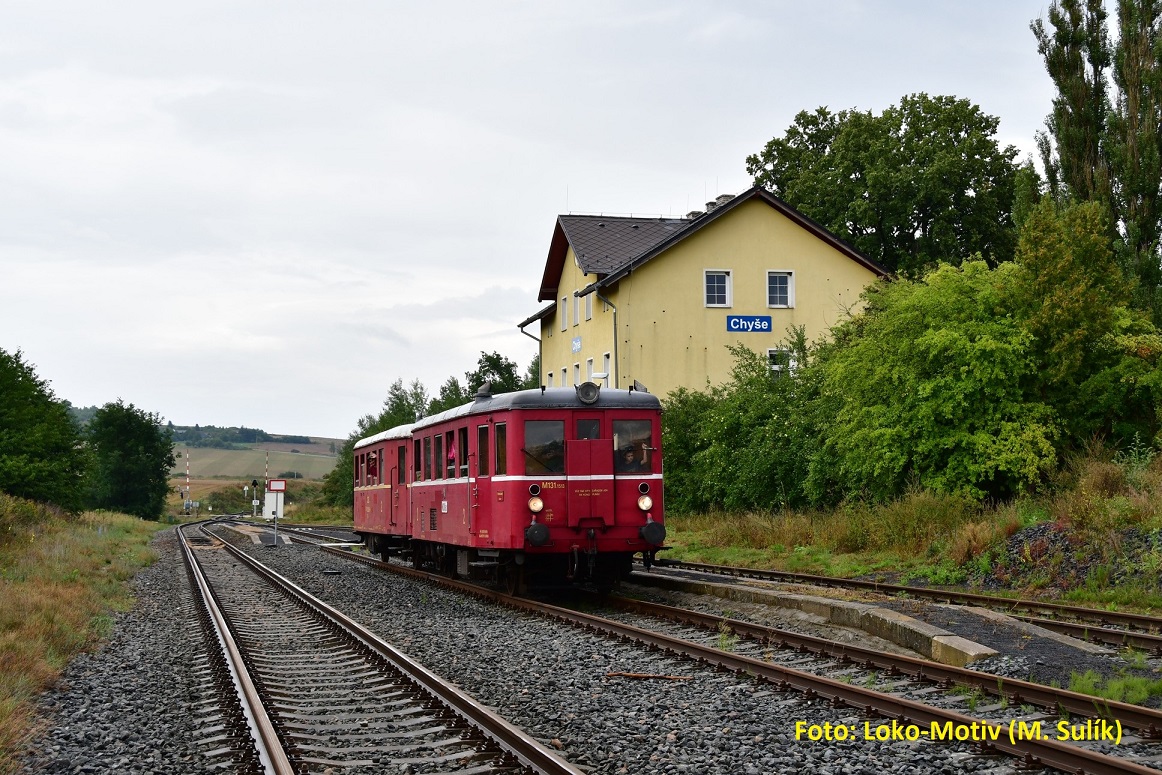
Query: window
[
  {"x": 564, "y": 378},
  {"x": 563, "y": 310},
  {"x": 402, "y": 468},
  {"x": 576, "y": 315},
  {"x": 450, "y": 455},
  {"x": 576, "y": 373},
  {"x": 373, "y": 468},
  {"x": 428, "y": 457},
  {"x": 782, "y": 361},
  {"x": 501, "y": 449},
  {"x": 482, "y": 450},
  {"x": 589, "y": 429},
  {"x": 781, "y": 289},
  {"x": 418, "y": 475},
  {"x": 718, "y": 290},
  {"x": 544, "y": 448},
  {"x": 605, "y": 368},
  {"x": 589, "y": 370},
  {"x": 632, "y": 446},
  {"x": 462, "y": 450},
  {"x": 589, "y": 306},
  {"x": 551, "y": 379}
]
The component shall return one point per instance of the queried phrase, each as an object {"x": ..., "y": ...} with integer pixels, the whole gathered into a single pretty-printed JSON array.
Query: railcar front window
[
  {"x": 544, "y": 447},
  {"x": 633, "y": 443},
  {"x": 589, "y": 429}
]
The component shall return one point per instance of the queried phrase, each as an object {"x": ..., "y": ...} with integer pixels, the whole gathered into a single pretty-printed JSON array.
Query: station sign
[
  {"x": 576, "y": 344},
  {"x": 749, "y": 324},
  {"x": 276, "y": 485}
]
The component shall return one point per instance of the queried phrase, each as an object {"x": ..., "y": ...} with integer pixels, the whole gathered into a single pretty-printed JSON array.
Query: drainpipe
[
  {"x": 540, "y": 354},
  {"x": 616, "y": 366}
]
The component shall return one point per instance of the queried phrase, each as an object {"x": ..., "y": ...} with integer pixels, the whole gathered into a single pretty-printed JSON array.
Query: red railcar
[{"x": 562, "y": 482}]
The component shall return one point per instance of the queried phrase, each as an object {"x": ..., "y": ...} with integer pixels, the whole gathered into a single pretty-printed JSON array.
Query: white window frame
[
  {"x": 550, "y": 379},
  {"x": 576, "y": 309},
  {"x": 564, "y": 313},
  {"x": 790, "y": 275},
  {"x": 777, "y": 369},
  {"x": 605, "y": 368},
  {"x": 564, "y": 377},
  {"x": 589, "y": 306},
  {"x": 588, "y": 369},
  {"x": 729, "y": 288},
  {"x": 576, "y": 373}
]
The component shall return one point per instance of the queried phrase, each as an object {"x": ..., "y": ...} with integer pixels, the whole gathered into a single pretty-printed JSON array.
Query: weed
[{"x": 727, "y": 639}]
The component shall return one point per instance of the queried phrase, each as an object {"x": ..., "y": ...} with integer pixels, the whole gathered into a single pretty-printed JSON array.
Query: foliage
[
  {"x": 922, "y": 182},
  {"x": 532, "y": 378},
  {"x": 1109, "y": 150},
  {"x": 451, "y": 395},
  {"x": 41, "y": 455},
  {"x": 929, "y": 385},
  {"x": 495, "y": 369},
  {"x": 132, "y": 457},
  {"x": 402, "y": 406},
  {"x": 227, "y": 438}
]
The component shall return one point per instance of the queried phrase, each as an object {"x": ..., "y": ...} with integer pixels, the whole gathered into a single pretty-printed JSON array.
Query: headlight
[
  {"x": 645, "y": 503},
  {"x": 536, "y": 504}
]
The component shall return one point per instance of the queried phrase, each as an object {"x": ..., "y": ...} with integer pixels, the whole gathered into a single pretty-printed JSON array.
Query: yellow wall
[
  {"x": 596, "y": 334},
  {"x": 669, "y": 338}
]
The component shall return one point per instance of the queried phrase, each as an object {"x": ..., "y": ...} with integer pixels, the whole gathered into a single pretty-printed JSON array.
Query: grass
[
  {"x": 1125, "y": 688},
  {"x": 1104, "y": 547},
  {"x": 61, "y": 577}
]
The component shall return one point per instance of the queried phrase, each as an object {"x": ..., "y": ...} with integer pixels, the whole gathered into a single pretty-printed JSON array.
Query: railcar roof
[{"x": 549, "y": 398}]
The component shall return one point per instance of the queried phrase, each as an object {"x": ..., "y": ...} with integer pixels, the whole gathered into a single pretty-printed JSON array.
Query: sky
[{"x": 264, "y": 213}]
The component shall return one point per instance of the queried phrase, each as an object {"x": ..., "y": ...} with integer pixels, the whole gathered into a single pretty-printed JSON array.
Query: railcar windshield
[
  {"x": 544, "y": 447},
  {"x": 633, "y": 446}
]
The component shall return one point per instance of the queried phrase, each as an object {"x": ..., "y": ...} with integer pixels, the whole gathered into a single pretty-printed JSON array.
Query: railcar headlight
[
  {"x": 536, "y": 504},
  {"x": 645, "y": 503}
]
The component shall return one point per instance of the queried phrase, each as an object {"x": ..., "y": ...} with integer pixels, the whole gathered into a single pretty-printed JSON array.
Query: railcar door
[{"x": 589, "y": 480}]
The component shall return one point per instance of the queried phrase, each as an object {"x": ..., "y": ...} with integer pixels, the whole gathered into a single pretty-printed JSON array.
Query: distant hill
[{"x": 307, "y": 461}]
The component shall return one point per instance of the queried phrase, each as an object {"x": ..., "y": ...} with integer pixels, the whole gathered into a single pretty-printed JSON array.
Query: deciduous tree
[{"x": 132, "y": 458}]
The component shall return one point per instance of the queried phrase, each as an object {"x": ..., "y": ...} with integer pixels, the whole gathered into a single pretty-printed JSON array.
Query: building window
[
  {"x": 782, "y": 361},
  {"x": 781, "y": 289},
  {"x": 576, "y": 373},
  {"x": 589, "y": 306},
  {"x": 576, "y": 309},
  {"x": 564, "y": 312},
  {"x": 551, "y": 379},
  {"x": 589, "y": 370},
  {"x": 605, "y": 369},
  {"x": 564, "y": 378},
  {"x": 718, "y": 290}
]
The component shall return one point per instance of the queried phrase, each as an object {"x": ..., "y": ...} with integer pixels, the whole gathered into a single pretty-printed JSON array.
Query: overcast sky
[{"x": 262, "y": 214}]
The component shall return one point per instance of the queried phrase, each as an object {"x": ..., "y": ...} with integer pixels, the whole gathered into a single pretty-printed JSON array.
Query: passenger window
[
  {"x": 544, "y": 448},
  {"x": 416, "y": 457},
  {"x": 462, "y": 449},
  {"x": 632, "y": 446},
  {"x": 450, "y": 467},
  {"x": 438, "y": 456},
  {"x": 427, "y": 457},
  {"x": 401, "y": 468},
  {"x": 373, "y": 468},
  {"x": 501, "y": 449},
  {"x": 589, "y": 429},
  {"x": 482, "y": 450}
]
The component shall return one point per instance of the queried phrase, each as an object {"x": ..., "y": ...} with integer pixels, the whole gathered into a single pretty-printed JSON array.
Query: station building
[{"x": 657, "y": 300}]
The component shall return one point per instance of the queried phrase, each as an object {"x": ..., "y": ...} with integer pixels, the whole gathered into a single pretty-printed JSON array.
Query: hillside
[{"x": 310, "y": 461}]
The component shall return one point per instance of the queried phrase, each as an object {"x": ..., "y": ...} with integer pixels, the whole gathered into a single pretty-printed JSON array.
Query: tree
[
  {"x": 402, "y": 406},
  {"x": 1103, "y": 150},
  {"x": 42, "y": 457},
  {"x": 452, "y": 394},
  {"x": 132, "y": 458},
  {"x": 922, "y": 182},
  {"x": 493, "y": 368},
  {"x": 532, "y": 378}
]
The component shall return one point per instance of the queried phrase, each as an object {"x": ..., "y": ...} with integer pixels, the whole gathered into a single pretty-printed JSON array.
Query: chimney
[
  {"x": 724, "y": 198},
  {"x": 711, "y": 205},
  {"x": 693, "y": 214}
]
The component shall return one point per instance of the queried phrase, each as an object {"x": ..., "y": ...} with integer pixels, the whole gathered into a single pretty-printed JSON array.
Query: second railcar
[{"x": 559, "y": 482}]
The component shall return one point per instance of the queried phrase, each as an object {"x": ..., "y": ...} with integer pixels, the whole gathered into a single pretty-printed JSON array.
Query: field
[{"x": 251, "y": 463}]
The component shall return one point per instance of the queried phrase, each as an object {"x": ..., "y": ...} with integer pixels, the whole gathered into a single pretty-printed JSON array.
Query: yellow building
[{"x": 657, "y": 300}]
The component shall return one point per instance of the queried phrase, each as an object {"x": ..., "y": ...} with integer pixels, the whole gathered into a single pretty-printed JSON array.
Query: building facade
[{"x": 658, "y": 300}]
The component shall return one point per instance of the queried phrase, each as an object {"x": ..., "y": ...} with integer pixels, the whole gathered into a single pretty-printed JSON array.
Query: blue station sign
[{"x": 749, "y": 323}]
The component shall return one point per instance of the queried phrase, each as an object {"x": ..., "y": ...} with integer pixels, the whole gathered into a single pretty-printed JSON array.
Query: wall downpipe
[{"x": 616, "y": 362}]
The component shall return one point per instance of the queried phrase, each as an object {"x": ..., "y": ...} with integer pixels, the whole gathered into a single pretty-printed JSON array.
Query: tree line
[
  {"x": 120, "y": 460},
  {"x": 407, "y": 404}
]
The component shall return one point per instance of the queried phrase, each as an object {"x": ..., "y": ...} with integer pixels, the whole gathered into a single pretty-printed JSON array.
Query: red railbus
[{"x": 554, "y": 482}]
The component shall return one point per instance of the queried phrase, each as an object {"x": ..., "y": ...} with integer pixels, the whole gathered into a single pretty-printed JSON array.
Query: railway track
[
  {"x": 321, "y": 692},
  {"x": 1114, "y": 628},
  {"x": 899, "y": 711}
]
